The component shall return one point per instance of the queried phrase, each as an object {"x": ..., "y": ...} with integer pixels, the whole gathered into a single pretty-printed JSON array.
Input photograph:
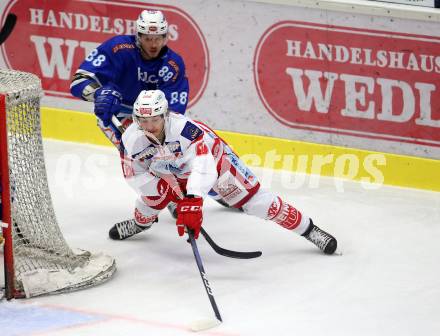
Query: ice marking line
[
  {"x": 28, "y": 319},
  {"x": 109, "y": 317},
  {"x": 71, "y": 327}
]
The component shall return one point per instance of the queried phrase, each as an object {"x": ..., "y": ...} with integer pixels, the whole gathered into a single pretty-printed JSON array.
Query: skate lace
[
  {"x": 127, "y": 228},
  {"x": 319, "y": 238}
]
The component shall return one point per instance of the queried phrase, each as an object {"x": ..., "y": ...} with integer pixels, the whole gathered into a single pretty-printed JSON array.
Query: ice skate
[
  {"x": 125, "y": 229},
  {"x": 323, "y": 240}
]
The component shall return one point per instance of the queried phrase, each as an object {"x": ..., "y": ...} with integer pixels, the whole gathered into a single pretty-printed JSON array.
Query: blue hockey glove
[{"x": 107, "y": 103}]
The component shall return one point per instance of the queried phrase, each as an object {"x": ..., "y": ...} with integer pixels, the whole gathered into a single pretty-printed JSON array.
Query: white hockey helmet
[
  {"x": 151, "y": 22},
  {"x": 150, "y": 103}
]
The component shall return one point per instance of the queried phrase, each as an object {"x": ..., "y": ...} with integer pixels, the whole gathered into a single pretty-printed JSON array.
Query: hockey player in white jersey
[{"x": 170, "y": 157}]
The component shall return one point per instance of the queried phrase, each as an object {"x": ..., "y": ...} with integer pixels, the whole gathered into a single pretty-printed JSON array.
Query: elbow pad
[
  {"x": 83, "y": 86},
  {"x": 88, "y": 93}
]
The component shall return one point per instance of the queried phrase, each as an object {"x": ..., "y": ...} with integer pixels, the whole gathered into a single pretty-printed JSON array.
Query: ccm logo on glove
[
  {"x": 107, "y": 103},
  {"x": 189, "y": 214},
  {"x": 187, "y": 208}
]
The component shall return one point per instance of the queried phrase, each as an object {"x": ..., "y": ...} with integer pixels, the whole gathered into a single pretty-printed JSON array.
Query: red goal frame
[{"x": 6, "y": 203}]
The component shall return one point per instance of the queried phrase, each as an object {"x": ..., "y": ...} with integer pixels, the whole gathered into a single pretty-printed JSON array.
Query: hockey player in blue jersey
[{"x": 114, "y": 73}]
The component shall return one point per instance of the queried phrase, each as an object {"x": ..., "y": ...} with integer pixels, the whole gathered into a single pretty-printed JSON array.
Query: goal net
[{"x": 37, "y": 258}]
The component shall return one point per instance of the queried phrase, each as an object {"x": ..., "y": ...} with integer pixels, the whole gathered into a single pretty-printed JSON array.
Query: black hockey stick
[
  {"x": 229, "y": 253},
  {"x": 222, "y": 251},
  {"x": 205, "y": 324},
  {"x": 7, "y": 28}
]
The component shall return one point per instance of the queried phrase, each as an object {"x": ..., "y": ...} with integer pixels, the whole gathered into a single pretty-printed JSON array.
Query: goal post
[
  {"x": 5, "y": 209},
  {"x": 37, "y": 258}
]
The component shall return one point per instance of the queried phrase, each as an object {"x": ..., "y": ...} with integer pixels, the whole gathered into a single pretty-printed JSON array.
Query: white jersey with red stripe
[
  {"x": 197, "y": 161},
  {"x": 190, "y": 153}
]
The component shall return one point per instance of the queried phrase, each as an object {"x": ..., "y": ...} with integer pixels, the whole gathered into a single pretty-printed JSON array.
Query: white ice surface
[{"x": 387, "y": 282}]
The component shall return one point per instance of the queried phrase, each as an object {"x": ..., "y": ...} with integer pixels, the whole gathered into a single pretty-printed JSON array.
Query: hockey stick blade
[
  {"x": 7, "y": 28},
  {"x": 204, "y": 324},
  {"x": 229, "y": 253}
]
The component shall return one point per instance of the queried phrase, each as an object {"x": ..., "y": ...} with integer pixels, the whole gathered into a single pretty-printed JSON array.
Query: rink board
[
  {"x": 372, "y": 67},
  {"x": 310, "y": 158}
]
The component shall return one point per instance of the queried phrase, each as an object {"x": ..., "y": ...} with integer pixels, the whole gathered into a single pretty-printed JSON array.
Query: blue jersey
[{"x": 118, "y": 62}]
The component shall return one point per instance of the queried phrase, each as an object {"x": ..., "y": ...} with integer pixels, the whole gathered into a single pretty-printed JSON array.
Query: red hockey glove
[{"x": 189, "y": 214}]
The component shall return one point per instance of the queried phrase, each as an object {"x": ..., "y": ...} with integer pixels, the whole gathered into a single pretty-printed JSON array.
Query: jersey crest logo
[{"x": 191, "y": 131}]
